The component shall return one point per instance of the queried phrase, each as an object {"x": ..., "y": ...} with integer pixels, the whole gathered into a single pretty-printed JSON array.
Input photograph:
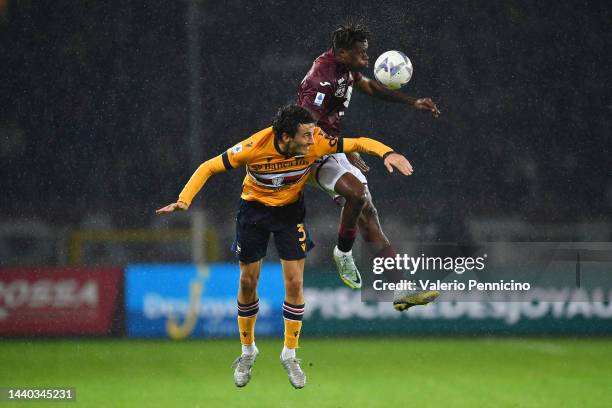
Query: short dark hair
[
  {"x": 349, "y": 33},
  {"x": 288, "y": 118}
]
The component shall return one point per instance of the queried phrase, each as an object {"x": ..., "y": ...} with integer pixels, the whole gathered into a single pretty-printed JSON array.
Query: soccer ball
[{"x": 393, "y": 69}]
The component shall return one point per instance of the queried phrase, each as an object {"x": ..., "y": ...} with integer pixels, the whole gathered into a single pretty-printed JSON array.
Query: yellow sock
[
  {"x": 246, "y": 327},
  {"x": 292, "y": 333}
]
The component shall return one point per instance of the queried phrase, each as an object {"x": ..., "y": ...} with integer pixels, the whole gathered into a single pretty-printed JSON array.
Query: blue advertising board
[{"x": 187, "y": 300}]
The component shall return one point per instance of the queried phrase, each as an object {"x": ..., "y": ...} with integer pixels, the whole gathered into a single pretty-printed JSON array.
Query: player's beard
[
  {"x": 298, "y": 150},
  {"x": 301, "y": 152}
]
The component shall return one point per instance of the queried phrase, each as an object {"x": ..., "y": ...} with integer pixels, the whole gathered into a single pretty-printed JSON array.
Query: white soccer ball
[{"x": 393, "y": 69}]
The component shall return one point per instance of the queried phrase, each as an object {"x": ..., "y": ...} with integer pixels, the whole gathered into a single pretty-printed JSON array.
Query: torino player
[{"x": 326, "y": 92}]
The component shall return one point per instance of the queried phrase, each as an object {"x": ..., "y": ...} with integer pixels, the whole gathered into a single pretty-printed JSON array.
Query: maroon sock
[{"x": 346, "y": 238}]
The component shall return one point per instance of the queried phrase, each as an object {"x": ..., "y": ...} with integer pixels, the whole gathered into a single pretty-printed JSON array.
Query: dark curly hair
[
  {"x": 349, "y": 33},
  {"x": 288, "y": 118}
]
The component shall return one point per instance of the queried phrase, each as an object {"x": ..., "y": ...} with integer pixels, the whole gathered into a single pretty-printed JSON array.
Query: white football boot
[
  {"x": 405, "y": 299},
  {"x": 242, "y": 368},
  {"x": 347, "y": 269},
  {"x": 297, "y": 378}
]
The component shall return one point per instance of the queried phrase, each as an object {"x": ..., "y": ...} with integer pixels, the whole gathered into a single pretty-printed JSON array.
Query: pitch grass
[{"x": 375, "y": 372}]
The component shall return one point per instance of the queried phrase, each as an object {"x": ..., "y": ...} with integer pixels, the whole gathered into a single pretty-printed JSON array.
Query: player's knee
[
  {"x": 369, "y": 224},
  {"x": 369, "y": 212},
  {"x": 358, "y": 196},
  {"x": 248, "y": 283},
  {"x": 294, "y": 286}
]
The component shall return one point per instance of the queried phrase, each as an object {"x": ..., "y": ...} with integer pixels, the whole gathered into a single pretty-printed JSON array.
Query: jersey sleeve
[
  {"x": 199, "y": 178},
  {"x": 363, "y": 145},
  {"x": 325, "y": 144},
  {"x": 315, "y": 94},
  {"x": 239, "y": 154},
  {"x": 230, "y": 159}
]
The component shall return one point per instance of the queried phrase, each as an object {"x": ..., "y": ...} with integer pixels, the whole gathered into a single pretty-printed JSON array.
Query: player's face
[
  {"x": 303, "y": 139},
  {"x": 357, "y": 57}
]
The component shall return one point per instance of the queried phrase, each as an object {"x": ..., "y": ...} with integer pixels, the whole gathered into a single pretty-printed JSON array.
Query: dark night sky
[{"x": 95, "y": 103}]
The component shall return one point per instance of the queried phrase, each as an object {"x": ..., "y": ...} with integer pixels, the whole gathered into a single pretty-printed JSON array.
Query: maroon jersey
[{"x": 326, "y": 91}]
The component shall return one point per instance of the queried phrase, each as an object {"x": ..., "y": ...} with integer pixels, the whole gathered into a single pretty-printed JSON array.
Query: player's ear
[{"x": 285, "y": 137}]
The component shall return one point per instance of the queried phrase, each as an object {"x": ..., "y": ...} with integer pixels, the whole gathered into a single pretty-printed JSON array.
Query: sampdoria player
[
  {"x": 277, "y": 160},
  {"x": 326, "y": 92}
]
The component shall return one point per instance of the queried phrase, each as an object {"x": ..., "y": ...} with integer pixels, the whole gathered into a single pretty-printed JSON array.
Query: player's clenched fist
[
  {"x": 399, "y": 162},
  {"x": 178, "y": 206}
]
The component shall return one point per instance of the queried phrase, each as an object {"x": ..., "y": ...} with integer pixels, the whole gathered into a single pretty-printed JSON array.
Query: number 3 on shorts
[{"x": 302, "y": 238}]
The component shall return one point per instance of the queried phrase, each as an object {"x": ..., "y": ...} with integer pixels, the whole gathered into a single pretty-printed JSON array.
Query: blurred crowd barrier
[
  {"x": 37, "y": 243},
  {"x": 179, "y": 301}
]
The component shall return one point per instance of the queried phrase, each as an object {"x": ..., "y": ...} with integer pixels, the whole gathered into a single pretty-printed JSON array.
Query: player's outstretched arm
[
  {"x": 196, "y": 182},
  {"x": 178, "y": 206},
  {"x": 399, "y": 162},
  {"x": 366, "y": 145},
  {"x": 373, "y": 88}
]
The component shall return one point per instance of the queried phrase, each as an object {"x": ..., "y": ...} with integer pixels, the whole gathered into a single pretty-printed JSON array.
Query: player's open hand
[
  {"x": 399, "y": 162},
  {"x": 427, "y": 104},
  {"x": 355, "y": 159},
  {"x": 178, "y": 206}
]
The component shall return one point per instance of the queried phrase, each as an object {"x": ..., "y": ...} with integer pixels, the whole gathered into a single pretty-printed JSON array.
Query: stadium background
[{"x": 96, "y": 132}]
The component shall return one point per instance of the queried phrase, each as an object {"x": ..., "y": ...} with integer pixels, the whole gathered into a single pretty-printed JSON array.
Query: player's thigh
[
  {"x": 339, "y": 178},
  {"x": 351, "y": 188},
  {"x": 327, "y": 174}
]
